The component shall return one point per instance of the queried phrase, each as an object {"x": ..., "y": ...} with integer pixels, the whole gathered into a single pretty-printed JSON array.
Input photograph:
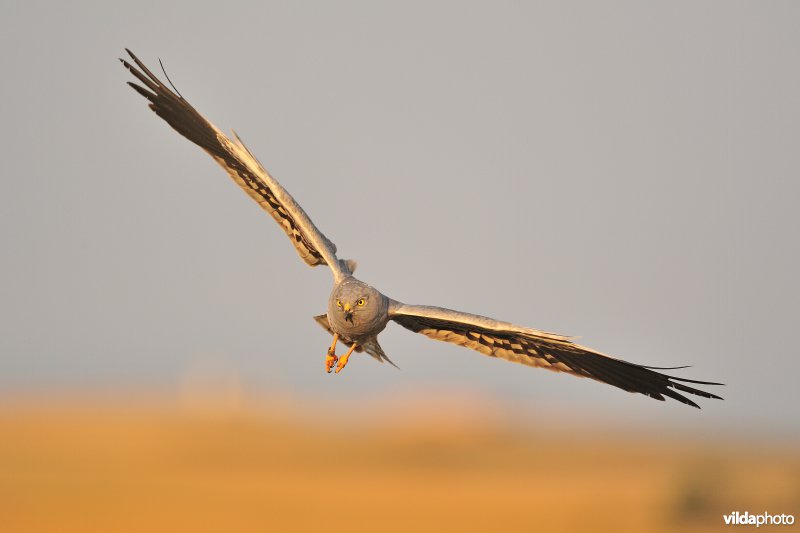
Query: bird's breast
[{"x": 356, "y": 329}]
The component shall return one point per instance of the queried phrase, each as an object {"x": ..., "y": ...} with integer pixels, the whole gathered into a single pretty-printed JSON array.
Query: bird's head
[{"x": 355, "y": 304}]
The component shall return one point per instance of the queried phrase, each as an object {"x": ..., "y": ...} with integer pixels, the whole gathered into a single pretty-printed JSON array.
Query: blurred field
[{"x": 99, "y": 465}]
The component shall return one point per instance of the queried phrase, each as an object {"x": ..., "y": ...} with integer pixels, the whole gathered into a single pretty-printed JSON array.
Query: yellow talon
[
  {"x": 343, "y": 359},
  {"x": 331, "y": 358}
]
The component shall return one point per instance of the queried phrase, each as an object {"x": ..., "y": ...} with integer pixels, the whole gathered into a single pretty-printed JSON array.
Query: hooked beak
[{"x": 348, "y": 313}]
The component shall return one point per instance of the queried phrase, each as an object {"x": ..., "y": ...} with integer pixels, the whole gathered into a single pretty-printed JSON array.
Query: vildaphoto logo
[{"x": 746, "y": 519}]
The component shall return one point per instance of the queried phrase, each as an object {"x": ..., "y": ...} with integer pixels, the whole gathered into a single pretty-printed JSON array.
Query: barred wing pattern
[
  {"x": 541, "y": 349},
  {"x": 232, "y": 155}
]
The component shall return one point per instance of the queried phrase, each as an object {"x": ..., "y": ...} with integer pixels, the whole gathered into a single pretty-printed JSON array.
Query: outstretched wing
[
  {"x": 232, "y": 155},
  {"x": 541, "y": 349}
]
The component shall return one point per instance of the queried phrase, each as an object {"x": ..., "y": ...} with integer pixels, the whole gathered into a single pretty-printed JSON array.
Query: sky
[{"x": 626, "y": 172}]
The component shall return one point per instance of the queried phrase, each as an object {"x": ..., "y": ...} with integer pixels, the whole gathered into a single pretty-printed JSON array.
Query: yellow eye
[
  {"x": 339, "y": 303},
  {"x": 361, "y": 301}
]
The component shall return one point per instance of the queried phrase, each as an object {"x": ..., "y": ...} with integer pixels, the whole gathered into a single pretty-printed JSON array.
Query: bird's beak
[{"x": 348, "y": 313}]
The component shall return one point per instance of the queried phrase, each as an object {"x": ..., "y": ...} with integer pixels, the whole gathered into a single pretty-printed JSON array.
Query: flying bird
[{"x": 357, "y": 312}]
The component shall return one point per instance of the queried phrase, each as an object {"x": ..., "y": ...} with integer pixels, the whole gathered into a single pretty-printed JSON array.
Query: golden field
[{"x": 102, "y": 465}]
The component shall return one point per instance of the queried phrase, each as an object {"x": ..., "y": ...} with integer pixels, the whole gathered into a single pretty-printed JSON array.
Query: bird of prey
[{"x": 357, "y": 312}]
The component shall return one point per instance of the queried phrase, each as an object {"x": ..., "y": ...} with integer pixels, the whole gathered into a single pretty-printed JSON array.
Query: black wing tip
[
  {"x": 131, "y": 55},
  {"x": 696, "y": 392},
  {"x": 690, "y": 403},
  {"x": 635, "y": 378},
  {"x": 679, "y": 397},
  {"x": 685, "y": 380},
  {"x": 141, "y": 90},
  {"x": 697, "y": 382},
  {"x": 673, "y": 385}
]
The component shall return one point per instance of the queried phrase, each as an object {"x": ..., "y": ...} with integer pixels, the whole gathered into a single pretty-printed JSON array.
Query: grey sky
[{"x": 622, "y": 171}]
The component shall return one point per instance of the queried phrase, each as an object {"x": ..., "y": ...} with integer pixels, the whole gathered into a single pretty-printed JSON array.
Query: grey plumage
[{"x": 357, "y": 312}]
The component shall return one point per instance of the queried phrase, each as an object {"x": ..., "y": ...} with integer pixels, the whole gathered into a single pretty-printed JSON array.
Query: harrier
[{"x": 357, "y": 312}]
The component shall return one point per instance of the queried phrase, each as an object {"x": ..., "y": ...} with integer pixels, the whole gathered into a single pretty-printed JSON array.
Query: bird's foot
[
  {"x": 331, "y": 360},
  {"x": 342, "y": 361}
]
